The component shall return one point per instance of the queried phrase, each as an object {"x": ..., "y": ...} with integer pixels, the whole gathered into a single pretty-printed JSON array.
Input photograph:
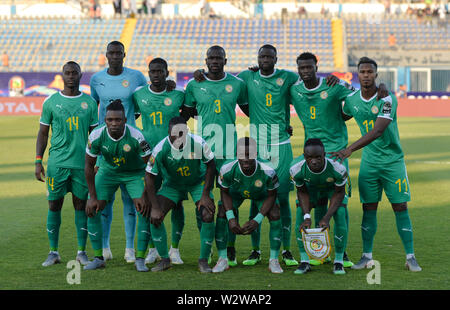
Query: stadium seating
[
  {"x": 409, "y": 33},
  {"x": 45, "y": 44},
  {"x": 183, "y": 42}
]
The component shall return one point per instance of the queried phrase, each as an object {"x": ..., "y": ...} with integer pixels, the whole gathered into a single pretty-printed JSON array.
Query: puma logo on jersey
[
  {"x": 237, "y": 180},
  {"x": 105, "y": 147},
  {"x": 257, "y": 82},
  {"x": 339, "y": 238},
  {"x": 51, "y": 231},
  {"x": 308, "y": 180},
  {"x": 58, "y": 106},
  {"x": 204, "y": 89},
  {"x": 101, "y": 84},
  {"x": 300, "y": 94},
  {"x": 287, "y": 228}
]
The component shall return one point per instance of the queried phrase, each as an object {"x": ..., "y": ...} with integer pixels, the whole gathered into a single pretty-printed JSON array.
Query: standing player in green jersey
[
  {"x": 125, "y": 153},
  {"x": 72, "y": 115},
  {"x": 186, "y": 165},
  {"x": 248, "y": 178},
  {"x": 157, "y": 107},
  {"x": 215, "y": 99},
  {"x": 317, "y": 178},
  {"x": 268, "y": 109},
  {"x": 382, "y": 163},
  {"x": 319, "y": 107}
]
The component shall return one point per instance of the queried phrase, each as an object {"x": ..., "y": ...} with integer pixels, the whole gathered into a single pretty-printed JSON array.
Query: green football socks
[
  {"x": 95, "y": 231},
  {"x": 368, "y": 229},
  {"x": 53, "y": 224},
  {"x": 143, "y": 235},
  {"x": 221, "y": 236},
  {"x": 286, "y": 219},
  {"x": 159, "y": 236},
  {"x": 206, "y": 239},
  {"x": 275, "y": 238},
  {"x": 81, "y": 226},
  {"x": 177, "y": 219},
  {"x": 404, "y": 229}
]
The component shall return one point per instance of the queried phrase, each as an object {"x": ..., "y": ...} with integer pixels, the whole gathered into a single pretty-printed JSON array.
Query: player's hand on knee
[
  {"x": 290, "y": 130},
  {"x": 139, "y": 203},
  {"x": 305, "y": 225},
  {"x": 156, "y": 217},
  {"x": 171, "y": 85},
  {"x": 249, "y": 227},
  {"x": 39, "y": 172},
  {"x": 332, "y": 80},
  {"x": 207, "y": 203},
  {"x": 199, "y": 75},
  {"x": 234, "y": 227}
]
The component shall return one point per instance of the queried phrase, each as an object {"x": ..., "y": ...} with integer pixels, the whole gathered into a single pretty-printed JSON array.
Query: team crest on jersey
[
  {"x": 280, "y": 81},
  {"x": 126, "y": 147},
  {"x": 330, "y": 179},
  {"x": 192, "y": 155},
  {"x": 125, "y": 83},
  {"x": 167, "y": 101},
  {"x": 258, "y": 183},
  {"x": 84, "y": 105},
  {"x": 374, "y": 109},
  {"x": 89, "y": 144},
  {"x": 152, "y": 160},
  {"x": 229, "y": 88},
  {"x": 324, "y": 95}
]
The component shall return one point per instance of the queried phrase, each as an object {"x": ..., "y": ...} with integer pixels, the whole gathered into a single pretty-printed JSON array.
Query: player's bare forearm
[
  {"x": 150, "y": 189},
  {"x": 89, "y": 174},
  {"x": 42, "y": 140},
  {"x": 378, "y": 129},
  {"x": 145, "y": 158},
  {"x": 269, "y": 202},
  {"x": 382, "y": 91},
  {"x": 335, "y": 201},
  {"x": 209, "y": 177},
  {"x": 227, "y": 201},
  {"x": 136, "y": 116}
]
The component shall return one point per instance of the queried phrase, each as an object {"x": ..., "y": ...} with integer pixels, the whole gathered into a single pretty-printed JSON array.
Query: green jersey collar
[{"x": 324, "y": 167}]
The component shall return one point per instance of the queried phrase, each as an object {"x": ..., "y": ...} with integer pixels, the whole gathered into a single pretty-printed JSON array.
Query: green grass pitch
[{"x": 24, "y": 243}]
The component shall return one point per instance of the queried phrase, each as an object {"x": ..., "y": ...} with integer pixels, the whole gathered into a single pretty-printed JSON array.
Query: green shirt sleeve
[
  {"x": 93, "y": 146},
  {"x": 225, "y": 179},
  {"x": 153, "y": 162},
  {"x": 346, "y": 108},
  {"x": 272, "y": 182},
  {"x": 46, "y": 115},
  {"x": 137, "y": 110},
  {"x": 94, "y": 114},
  {"x": 388, "y": 107},
  {"x": 243, "y": 98},
  {"x": 189, "y": 99},
  {"x": 207, "y": 154},
  {"x": 292, "y": 77}
]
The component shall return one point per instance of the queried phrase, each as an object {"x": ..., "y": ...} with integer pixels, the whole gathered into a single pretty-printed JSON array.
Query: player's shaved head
[
  {"x": 115, "y": 43},
  {"x": 72, "y": 63},
  {"x": 314, "y": 153},
  {"x": 268, "y": 46},
  {"x": 367, "y": 60},
  {"x": 216, "y": 48},
  {"x": 159, "y": 61},
  {"x": 307, "y": 56}
]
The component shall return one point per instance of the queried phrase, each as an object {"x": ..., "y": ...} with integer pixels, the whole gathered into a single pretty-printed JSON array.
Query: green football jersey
[
  {"x": 254, "y": 186},
  {"x": 156, "y": 110},
  {"x": 387, "y": 148},
  {"x": 320, "y": 110},
  {"x": 268, "y": 98},
  {"x": 333, "y": 174},
  {"x": 215, "y": 102},
  {"x": 180, "y": 168},
  {"x": 70, "y": 119},
  {"x": 123, "y": 155}
]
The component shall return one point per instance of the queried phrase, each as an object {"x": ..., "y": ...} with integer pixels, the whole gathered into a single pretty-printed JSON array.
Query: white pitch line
[{"x": 430, "y": 162}]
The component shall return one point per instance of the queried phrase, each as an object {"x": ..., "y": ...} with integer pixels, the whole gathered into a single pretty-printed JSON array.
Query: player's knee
[
  {"x": 55, "y": 205},
  {"x": 274, "y": 213},
  {"x": 370, "y": 206},
  {"x": 399, "y": 207}
]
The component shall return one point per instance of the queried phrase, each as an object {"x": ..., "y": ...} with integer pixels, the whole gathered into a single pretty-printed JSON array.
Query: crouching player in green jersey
[
  {"x": 317, "y": 177},
  {"x": 125, "y": 153},
  {"x": 71, "y": 115},
  {"x": 157, "y": 107},
  {"x": 382, "y": 163},
  {"x": 248, "y": 178},
  {"x": 186, "y": 165}
]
